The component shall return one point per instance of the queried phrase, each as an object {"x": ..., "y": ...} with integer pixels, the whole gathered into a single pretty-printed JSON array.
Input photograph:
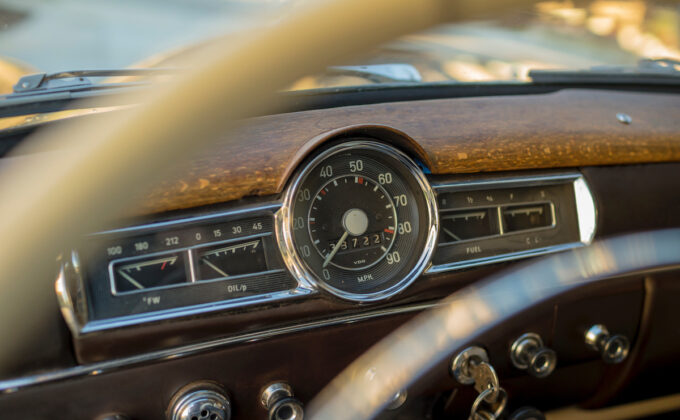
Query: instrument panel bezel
[
  {"x": 284, "y": 231},
  {"x": 70, "y": 285},
  {"x": 73, "y": 290}
]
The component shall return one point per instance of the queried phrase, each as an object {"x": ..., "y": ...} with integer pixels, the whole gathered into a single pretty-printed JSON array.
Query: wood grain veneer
[{"x": 568, "y": 128}]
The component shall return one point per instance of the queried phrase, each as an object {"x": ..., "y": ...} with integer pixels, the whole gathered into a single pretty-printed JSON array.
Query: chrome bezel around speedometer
[{"x": 425, "y": 242}]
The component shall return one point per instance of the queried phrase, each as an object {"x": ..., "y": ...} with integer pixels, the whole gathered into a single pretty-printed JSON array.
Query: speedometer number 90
[{"x": 359, "y": 221}]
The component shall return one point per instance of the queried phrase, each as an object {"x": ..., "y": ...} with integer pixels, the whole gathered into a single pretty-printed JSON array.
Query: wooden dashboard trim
[{"x": 567, "y": 128}]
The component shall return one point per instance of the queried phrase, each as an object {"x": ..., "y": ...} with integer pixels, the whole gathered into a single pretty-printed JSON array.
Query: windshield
[{"x": 58, "y": 35}]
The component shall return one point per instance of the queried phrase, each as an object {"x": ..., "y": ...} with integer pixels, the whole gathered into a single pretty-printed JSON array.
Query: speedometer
[{"x": 359, "y": 221}]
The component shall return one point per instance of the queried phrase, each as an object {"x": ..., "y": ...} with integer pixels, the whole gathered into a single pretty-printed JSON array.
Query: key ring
[
  {"x": 502, "y": 397},
  {"x": 485, "y": 378}
]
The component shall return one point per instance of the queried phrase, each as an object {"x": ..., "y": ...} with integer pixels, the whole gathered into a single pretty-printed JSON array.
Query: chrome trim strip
[
  {"x": 193, "y": 267},
  {"x": 118, "y": 322},
  {"x": 66, "y": 305},
  {"x": 13, "y": 385},
  {"x": 585, "y": 209},
  {"x": 71, "y": 294},
  {"x": 265, "y": 209},
  {"x": 511, "y": 181},
  {"x": 284, "y": 234},
  {"x": 502, "y": 258},
  {"x": 501, "y": 225}
]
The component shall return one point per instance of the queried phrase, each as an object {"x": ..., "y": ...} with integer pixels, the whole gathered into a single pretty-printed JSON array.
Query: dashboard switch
[
  {"x": 278, "y": 399},
  {"x": 613, "y": 348},
  {"x": 528, "y": 353}
]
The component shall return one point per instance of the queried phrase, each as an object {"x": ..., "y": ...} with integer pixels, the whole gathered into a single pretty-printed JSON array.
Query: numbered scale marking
[
  {"x": 231, "y": 260},
  {"x": 162, "y": 271}
]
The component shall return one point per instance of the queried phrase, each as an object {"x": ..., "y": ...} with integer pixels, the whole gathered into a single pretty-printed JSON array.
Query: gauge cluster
[
  {"x": 217, "y": 261},
  {"x": 135, "y": 274},
  {"x": 485, "y": 221},
  {"x": 358, "y": 222}
]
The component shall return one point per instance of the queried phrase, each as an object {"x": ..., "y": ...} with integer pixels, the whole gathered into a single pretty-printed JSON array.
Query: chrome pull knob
[
  {"x": 528, "y": 353},
  {"x": 200, "y": 401},
  {"x": 613, "y": 348},
  {"x": 278, "y": 399}
]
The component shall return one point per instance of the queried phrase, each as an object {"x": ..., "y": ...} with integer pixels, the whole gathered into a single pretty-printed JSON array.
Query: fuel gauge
[
  {"x": 461, "y": 225},
  {"x": 232, "y": 259},
  {"x": 148, "y": 273}
]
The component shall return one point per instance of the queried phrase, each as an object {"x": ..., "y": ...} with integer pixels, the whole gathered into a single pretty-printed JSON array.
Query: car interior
[{"x": 277, "y": 226}]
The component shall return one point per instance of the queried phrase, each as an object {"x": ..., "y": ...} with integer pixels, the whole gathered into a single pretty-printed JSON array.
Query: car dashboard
[{"x": 295, "y": 243}]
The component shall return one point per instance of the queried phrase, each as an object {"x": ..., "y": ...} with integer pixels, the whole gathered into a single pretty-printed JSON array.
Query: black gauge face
[
  {"x": 234, "y": 259},
  {"x": 461, "y": 225},
  {"x": 365, "y": 233},
  {"x": 361, "y": 216},
  {"x": 148, "y": 273}
]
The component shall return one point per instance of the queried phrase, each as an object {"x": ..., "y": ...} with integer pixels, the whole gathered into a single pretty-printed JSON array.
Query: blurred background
[{"x": 58, "y": 35}]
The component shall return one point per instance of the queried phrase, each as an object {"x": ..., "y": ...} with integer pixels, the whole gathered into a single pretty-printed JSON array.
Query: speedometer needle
[{"x": 335, "y": 250}]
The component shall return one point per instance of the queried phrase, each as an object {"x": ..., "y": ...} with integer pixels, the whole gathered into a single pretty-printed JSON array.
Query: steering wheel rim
[
  {"x": 81, "y": 184},
  {"x": 62, "y": 181},
  {"x": 402, "y": 357},
  {"x": 59, "y": 196}
]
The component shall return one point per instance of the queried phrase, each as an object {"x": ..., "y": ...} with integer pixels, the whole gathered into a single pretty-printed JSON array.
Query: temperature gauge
[
  {"x": 229, "y": 260},
  {"x": 148, "y": 273}
]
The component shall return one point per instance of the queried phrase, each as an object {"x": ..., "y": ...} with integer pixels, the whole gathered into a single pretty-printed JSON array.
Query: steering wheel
[
  {"x": 96, "y": 174},
  {"x": 104, "y": 165},
  {"x": 372, "y": 381}
]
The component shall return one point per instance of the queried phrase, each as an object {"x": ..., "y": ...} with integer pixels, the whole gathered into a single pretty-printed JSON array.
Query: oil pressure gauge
[
  {"x": 359, "y": 221},
  {"x": 231, "y": 259}
]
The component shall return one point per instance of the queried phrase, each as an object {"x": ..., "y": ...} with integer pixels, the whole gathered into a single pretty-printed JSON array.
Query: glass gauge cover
[{"x": 359, "y": 221}]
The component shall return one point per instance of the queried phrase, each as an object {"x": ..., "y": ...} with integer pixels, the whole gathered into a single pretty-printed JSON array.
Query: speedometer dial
[
  {"x": 364, "y": 234},
  {"x": 359, "y": 221}
]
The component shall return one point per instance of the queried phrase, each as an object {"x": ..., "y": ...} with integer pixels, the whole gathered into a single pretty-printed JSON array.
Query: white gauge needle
[
  {"x": 130, "y": 279},
  {"x": 451, "y": 234},
  {"x": 214, "y": 267},
  {"x": 335, "y": 250}
]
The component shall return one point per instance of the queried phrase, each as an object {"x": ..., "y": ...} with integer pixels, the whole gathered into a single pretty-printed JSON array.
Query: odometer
[{"x": 359, "y": 221}]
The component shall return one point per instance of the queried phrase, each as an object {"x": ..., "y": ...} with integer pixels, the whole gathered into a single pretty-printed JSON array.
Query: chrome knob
[
  {"x": 528, "y": 353},
  {"x": 398, "y": 400},
  {"x": 278, "y": 399},
  {"x": 613, "y": 348},
  {"x": 200, "y": 401}
]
